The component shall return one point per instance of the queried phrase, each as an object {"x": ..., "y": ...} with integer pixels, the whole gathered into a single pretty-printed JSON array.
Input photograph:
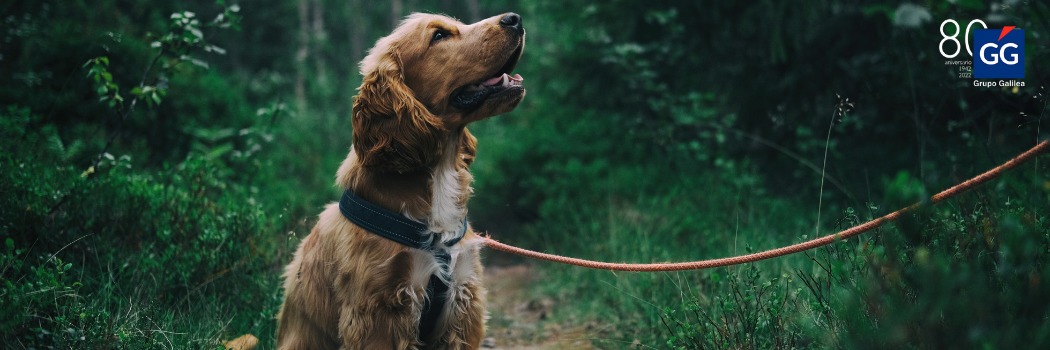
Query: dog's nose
[{"x": 511, "y": 20}]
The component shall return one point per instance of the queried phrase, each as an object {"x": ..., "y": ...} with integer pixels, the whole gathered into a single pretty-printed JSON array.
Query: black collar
[
  {"x": 391, "y": 225},
  {"x": 412, "y": 234}
]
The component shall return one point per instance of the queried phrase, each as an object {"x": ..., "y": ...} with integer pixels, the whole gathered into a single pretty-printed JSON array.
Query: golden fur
[{"x": 347, "y": 288}]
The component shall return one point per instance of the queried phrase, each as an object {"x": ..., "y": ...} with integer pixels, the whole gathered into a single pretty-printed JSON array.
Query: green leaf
[
  {"x": 215, "y": 49},
  {"x": 219, "y": 151}
]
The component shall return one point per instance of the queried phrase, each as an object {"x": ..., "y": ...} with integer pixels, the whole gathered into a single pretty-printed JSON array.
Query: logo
[
  {"x": 950, "y": 45},
  {"x": 995, "y": 54},
  {"x": 1000, "y": 53}
]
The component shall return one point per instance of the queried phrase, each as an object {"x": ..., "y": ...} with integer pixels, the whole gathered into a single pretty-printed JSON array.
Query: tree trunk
[
  {"x": 319, "y": 40},
  {"x": 357, "y": 30},
  {"x": 396, "y": 12},
  {"x": 301, "y": 54}
]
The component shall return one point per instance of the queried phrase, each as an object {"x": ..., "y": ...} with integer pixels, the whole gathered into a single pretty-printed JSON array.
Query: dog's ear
[{"x": 393, "y": 132}]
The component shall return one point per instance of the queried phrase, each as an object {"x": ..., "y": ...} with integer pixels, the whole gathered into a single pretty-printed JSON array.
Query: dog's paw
[{"x": 244, "y": 342}]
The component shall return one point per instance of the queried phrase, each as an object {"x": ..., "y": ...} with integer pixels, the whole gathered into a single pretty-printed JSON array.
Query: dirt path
[{"x": 520, "y": 322}]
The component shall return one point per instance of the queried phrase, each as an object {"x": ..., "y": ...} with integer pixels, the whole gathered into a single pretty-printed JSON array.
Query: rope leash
[{"x": 773, "y": 253}]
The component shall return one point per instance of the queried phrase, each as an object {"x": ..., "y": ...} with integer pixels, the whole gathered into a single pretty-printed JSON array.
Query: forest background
[{"x": 161, "y": 160}]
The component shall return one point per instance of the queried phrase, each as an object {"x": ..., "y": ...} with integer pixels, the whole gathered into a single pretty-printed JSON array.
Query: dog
[{"x": 394, "y": 264}]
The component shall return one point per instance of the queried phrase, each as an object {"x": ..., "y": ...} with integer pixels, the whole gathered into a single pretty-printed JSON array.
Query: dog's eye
[{"x": 439, "y": 35}]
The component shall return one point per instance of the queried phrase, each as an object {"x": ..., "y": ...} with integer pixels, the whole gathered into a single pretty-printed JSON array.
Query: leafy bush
[
  {"x": 169, "y": 241},
  {"x": 41, "y": 302},
  {"x": 165, "y": 237},
  {"x": 967, "y": 274}
]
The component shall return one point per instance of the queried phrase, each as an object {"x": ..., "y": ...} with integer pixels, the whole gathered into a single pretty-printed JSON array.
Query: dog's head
[{"x": 433, "y": 75}]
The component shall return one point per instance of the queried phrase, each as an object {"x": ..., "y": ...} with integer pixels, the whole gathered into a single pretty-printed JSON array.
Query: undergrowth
[
  {"x": 134, "y": 258},
  {"x": 966, "y": 273},
  {"x": 109, "y": 242}
]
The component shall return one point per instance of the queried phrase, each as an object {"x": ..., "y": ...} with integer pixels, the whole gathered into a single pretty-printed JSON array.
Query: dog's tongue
[
  {"x": 494, "y": 80},
  {"x": 501, "y": 79}
]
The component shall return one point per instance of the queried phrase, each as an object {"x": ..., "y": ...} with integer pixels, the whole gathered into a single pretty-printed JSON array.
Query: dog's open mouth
[{"x": 473, "y": 95}]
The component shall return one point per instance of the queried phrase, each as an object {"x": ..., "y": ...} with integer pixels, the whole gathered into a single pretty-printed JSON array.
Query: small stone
[{"x": 488, "y": 343}]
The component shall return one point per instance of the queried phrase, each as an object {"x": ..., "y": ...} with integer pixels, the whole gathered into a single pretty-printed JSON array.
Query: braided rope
[{"x": 773, "y": 253}]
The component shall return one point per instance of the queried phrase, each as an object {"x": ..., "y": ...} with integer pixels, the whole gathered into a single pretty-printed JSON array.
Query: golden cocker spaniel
[{"x": 364, "y": 278}]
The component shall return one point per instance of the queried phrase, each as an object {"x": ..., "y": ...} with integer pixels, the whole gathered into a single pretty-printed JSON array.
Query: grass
[
  {"x": 180, "y": 256},
  {"x": 904, "y": 285}
]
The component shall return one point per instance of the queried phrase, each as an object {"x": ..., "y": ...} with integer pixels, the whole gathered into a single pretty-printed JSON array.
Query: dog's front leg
[
  {"x": 385, "y": 327},
  {"x": 384, "y": 314},
  {"x": 466, "y": 314}
]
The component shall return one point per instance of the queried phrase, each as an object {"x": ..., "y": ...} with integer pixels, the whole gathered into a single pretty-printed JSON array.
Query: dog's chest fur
[{"x": 450, "y": 189}]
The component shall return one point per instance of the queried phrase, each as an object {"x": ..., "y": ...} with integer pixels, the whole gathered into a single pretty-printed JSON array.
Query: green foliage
[
  {"x": 108, "y": 91},
  {"x": 976, "y": 281},
  {"x": 754, "y": 313},
  {"x": 167, "y": 239},
  {"x": 39, "y": 287}
]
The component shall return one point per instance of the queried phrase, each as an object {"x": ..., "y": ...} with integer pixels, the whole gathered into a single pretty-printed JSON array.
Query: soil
[{"x": 519, "y": 321}]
